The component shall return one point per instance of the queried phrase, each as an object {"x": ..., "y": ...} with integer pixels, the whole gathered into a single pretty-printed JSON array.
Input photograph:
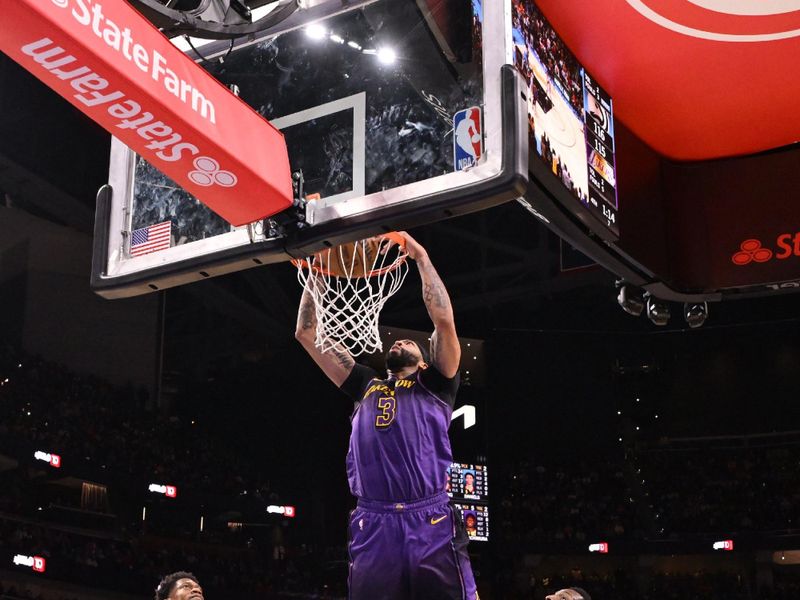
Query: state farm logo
[
  {"x": 208, "y": 173},
  {"x": 752, "y": 251},
  {"x": 61, "y": 3},
  {"x": 53, "y": 459},
  {"x": 170, "y": 491},
  {"x": 37, "y": 563},
  {"x": 740, "y": 21}
]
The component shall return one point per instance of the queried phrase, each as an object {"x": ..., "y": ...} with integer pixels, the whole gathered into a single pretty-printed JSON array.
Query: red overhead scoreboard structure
[{"x": 707, "y": 145}]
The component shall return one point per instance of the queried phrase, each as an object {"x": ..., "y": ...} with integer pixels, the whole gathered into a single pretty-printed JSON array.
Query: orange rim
[{"x": 392, "y": 236}]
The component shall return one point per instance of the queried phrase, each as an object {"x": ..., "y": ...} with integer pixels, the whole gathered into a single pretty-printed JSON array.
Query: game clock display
[
  {"x": 476, "y": 521},
  {"x": 468, "y": 482},
  {"x": 571, "y": 118}
]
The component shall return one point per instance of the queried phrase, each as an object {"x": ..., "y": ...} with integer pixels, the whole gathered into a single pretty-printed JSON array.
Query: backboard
[{"x": 395, "y": 112}]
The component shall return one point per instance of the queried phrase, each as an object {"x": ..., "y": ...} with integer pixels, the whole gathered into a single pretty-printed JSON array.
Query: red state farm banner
[{"x": 112, "y": 64}]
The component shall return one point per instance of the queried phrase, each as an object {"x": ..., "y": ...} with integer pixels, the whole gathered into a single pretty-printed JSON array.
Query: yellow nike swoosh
[{"x": 434, "y": 521}]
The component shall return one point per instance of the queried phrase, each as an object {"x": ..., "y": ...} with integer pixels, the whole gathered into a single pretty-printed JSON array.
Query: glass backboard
[{"x": 395, "y": 112}]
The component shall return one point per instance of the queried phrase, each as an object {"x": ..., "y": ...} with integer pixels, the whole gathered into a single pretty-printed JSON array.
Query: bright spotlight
[
  {"x": 695, "y": 314},
  {"x": 315, "y": 31},
  {"x": 387, "y": 56},
  {"x": 657, "y": 311}
]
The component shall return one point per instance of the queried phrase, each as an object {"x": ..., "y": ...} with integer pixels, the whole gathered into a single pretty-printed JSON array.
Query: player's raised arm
[
  {"x": 445, "y": 349},
  {"x": 336, "y": 363}
]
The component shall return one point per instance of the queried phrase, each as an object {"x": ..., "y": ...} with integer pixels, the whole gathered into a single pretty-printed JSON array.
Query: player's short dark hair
[
  {"x": 164, "y": 588},
  {"x": 425, "y": 350},
  {"x": 584, "y": 594}
]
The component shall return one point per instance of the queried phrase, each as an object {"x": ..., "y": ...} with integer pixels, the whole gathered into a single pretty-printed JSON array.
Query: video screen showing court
[{"x": 571, "y": 124}]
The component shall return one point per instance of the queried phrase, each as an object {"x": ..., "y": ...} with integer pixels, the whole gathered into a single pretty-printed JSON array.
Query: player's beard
[{"x": 400, "y": 359}]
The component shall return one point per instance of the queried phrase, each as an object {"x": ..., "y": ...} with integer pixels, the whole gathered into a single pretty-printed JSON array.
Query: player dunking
[{"x": 406, "y": 540}]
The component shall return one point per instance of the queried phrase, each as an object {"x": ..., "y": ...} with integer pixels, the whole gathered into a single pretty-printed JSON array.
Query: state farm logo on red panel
[
  {"x": 753, "y": 251},
  {"x": 738, "y": 21},
  {"x": 209, "y": 173},
  {"x": 96, "y": 92}
]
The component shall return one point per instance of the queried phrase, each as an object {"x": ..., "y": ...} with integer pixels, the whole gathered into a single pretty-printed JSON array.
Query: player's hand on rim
[{"x": 413, "y": 248}]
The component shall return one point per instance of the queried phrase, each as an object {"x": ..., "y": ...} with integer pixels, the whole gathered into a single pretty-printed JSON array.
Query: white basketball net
[{"x": 348, "y": 306}]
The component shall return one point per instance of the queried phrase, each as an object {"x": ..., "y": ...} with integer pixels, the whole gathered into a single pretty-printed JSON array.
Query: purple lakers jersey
[{"x": 399, "y": 447}]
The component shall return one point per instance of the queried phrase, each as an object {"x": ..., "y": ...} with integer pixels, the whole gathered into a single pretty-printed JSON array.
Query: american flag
[{"x": 151, "y": 239}]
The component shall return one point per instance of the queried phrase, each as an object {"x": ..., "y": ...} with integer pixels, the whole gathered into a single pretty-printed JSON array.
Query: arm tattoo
[
  {"x": 307, "y": 316},
  {"x": 344, "y": 358},
  {"x": 433, "y": 295}
]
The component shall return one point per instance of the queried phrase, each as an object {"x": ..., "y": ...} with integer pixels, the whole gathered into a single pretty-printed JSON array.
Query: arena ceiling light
[
  {"x": 695, "y": 314},
  {"x": 630, "y": 299},
  {"x": 387, "y": 56},
  {"x": 215, "y": 19},
  {"x": 316, "y": 32},
  {"x": 657, "y": 310}
]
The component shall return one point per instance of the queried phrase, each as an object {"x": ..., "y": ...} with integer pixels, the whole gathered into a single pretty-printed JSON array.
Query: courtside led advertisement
[{"x": 571, "y": 117}]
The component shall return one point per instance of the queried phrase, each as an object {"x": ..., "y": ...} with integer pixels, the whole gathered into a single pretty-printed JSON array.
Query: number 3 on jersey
[{"x": 387, "y": 407}]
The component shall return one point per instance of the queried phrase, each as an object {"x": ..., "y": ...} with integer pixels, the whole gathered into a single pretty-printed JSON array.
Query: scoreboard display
[
  {"x": 468, "y": 486},
  {"x": 468, "y": 482},
  {"x": 571, "y": 118},
  {"x": 476, "y": 520}
]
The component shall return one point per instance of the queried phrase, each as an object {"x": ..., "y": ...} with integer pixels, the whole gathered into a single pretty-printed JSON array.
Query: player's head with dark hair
[
  {"x": 469, "y": 482},
  {"x": 406, "y": 353},
  {"x": 179, "y": 586},
  {"x": 470, "y": 520}
]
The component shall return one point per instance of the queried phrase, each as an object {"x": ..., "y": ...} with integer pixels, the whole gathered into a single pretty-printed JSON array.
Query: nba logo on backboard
[{"x": 467, "y": 137}]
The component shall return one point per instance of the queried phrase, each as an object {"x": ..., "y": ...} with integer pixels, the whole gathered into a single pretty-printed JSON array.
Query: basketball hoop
[{"x": 350, "y": 285}]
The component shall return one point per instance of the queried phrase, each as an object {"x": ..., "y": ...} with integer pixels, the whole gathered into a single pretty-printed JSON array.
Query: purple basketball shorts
[{"x": 409, "y": 551}]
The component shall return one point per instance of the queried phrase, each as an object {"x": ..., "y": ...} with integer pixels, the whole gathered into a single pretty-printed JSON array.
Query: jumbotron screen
[
  {"x": 571, "y": 117},
  {"x": 476, "y": 520},
  {"x": 468, "y": 482}
]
